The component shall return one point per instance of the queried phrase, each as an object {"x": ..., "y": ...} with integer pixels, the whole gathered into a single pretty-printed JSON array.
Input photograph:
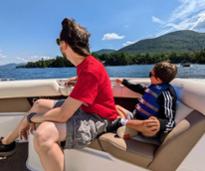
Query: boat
[
  {"x": 181, "y": 150},
  {"x": 186, "y": 65}
]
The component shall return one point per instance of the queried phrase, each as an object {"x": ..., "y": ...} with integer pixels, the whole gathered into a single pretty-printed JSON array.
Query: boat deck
[{"x": 17, "y": 162}]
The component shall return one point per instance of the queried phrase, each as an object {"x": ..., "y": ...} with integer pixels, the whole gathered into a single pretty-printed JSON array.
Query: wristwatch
[{"x": 29, "y": 116}]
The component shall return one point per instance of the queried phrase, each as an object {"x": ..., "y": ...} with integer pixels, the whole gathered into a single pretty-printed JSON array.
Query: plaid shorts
[{"x": 82, "y": 128}]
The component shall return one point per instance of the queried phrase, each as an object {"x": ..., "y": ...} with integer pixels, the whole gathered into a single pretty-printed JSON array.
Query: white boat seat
[
  {"x": 190, "y": 126},
  {"x": 149, "y": 155},
  {"x": 158, "y": 158},
  {"x": 135, "y": 151}
]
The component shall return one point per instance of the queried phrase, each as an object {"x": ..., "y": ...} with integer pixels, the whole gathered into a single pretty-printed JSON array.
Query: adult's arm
[
  {"x": 59, "y": 114},
  {"x": 71, "y": 81},
  {"x": 84, "y": 92}
]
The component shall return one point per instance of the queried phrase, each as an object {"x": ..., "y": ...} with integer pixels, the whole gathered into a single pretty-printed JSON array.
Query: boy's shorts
[{"x": 82, "y": 128}]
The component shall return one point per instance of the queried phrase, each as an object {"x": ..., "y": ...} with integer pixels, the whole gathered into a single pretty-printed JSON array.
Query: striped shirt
[{"x": 167, "y": 101}]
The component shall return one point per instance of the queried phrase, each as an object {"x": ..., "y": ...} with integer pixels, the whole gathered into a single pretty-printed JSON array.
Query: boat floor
[{"x": 16, "y": 162}]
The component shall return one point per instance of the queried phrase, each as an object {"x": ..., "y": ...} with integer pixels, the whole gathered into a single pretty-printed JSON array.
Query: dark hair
[
  {"x": 76, "y": 36},
  {"x": 165, "y": 70}
]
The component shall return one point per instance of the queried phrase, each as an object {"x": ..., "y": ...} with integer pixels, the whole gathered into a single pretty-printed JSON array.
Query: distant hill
[
  {"x": 105, "y": 51},
  {"x": 179, "y": 41},
  {"x": 185, "y": 46},
  {"x": 10, "y": 65}
]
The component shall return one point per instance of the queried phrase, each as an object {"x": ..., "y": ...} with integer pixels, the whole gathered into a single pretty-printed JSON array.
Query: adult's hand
[
  {"x": 71, "y": 81},
  {"x": 24, "y": 129},
  {"x": 151, "y": 126},
  {"x": 32, "y": 127},
  {"x": 119, "y": 80}
]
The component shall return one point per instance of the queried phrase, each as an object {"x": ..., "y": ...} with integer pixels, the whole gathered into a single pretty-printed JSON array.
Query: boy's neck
[{"x": 159, "y": 83}]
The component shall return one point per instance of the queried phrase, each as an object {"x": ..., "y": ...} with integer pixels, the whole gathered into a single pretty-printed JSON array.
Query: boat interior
[{"x": 176, "y": 150}]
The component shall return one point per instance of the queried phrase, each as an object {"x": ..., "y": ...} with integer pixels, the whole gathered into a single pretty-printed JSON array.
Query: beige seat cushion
[
  {"x": 95, "y": 145},
  {"x": 129, "y": 150}
]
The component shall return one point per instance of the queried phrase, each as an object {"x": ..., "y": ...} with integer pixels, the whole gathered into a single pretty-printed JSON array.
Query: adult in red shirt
[
  {"x": 82, "y": 116},
  {"x": 93, "y": 88}
]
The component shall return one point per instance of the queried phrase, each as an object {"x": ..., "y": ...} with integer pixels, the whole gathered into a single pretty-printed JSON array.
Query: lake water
[{"x": 195, "y": 71}]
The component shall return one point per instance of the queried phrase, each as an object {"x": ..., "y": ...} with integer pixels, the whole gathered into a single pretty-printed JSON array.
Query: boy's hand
[{"x": 151, "y": 126}]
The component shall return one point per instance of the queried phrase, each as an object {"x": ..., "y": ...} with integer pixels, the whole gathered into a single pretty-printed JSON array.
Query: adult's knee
[
  {"x": 38, "y": 103},
  {"x": 41, "y": 140},
  {"x": 45, "y": 136}
]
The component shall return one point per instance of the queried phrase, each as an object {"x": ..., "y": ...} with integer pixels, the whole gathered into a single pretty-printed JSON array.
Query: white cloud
[
  {"x": 2, "y": 55},
  {"x": 129, "y": 43},
  {"x": 32, "y": 58},
  {"x": 4, "y": 59},
  {"x": 112, "y": 36},
  {"x": 157, "y": 20},
  {"x": 199, "y": 23},
  {"x": 186, "y": 8},
  {"x": 189, "y": 15}
]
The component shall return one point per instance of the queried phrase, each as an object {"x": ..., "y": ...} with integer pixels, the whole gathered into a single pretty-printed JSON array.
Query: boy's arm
[
  {"x": 134, "y": 87},
  {"x": 167, "y": 102}
]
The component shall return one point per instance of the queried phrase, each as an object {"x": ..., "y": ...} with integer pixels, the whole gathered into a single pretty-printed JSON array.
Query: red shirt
[{"x": 93, "y": 87}]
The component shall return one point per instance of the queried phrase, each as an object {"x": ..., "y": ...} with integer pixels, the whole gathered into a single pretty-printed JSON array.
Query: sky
[{"x": 28, "y": 28}]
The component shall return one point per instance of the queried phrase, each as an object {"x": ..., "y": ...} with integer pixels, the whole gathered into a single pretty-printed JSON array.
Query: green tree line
[
  {"x": 48, "y": 63},
  {"x": 122, "y": 58}
]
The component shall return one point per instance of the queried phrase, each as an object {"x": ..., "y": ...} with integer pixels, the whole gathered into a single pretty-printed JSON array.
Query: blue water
[{"x": 196, "y": 71}]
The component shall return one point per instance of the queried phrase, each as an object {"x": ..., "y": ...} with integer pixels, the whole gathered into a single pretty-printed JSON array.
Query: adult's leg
[
  {"x": 46, "y": 143},
  {"x": 39, "y": 106}
]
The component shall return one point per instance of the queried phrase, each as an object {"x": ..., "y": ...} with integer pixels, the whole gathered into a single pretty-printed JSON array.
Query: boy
[{"x": 154, "y": 113}]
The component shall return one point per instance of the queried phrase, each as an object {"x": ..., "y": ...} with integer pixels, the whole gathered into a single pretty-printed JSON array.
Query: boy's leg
[
  {"x": 145, "y": 127},
  {"x": 40, "y": 106},
  {"x": 151, "y": 127},
  {"x": 126, "y": 132},
  {"x": 148, "y": 127}
]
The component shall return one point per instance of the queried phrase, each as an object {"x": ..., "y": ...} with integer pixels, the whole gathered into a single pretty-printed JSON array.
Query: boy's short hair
[
  {"x": 165, "y": 71},
  {"x": 76, "y": 36}
]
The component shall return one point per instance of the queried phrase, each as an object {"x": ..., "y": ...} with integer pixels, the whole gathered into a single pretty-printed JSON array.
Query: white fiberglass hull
[{"x": 186, "y": 142}]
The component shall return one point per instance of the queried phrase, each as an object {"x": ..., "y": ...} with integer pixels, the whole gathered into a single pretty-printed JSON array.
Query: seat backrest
[
  {"x": 190, "y": 126},
  {"x": 182, "y": 111},
  {"x": 191, "y": 93},
  {"x": 179, "y": 142}
]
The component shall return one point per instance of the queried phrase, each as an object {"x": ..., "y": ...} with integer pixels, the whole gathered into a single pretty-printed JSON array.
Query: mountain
[
  {"x": 179, "y": 41},
  {"x": 10, "y": 65},
  {"x": 105, "y": 51}
]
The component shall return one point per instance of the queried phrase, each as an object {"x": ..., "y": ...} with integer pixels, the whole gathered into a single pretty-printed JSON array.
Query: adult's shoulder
[{"x": 94, "y": 65}]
